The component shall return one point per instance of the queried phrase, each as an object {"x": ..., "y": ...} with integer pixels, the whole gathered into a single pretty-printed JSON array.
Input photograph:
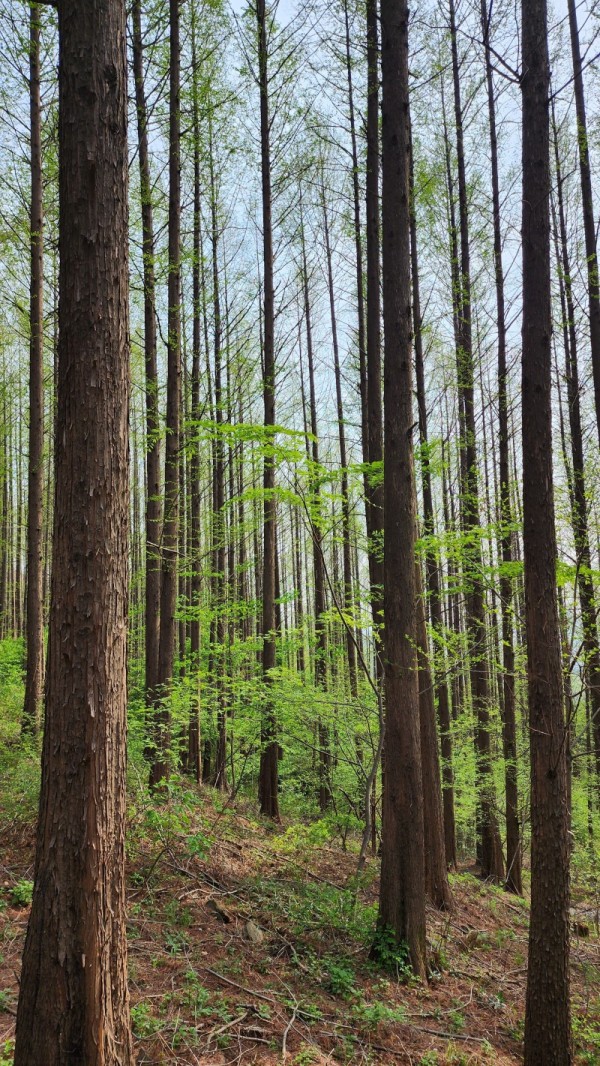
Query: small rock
[
  {"x": 220, "y": 911},
  {"x": 253, "y": 933}
]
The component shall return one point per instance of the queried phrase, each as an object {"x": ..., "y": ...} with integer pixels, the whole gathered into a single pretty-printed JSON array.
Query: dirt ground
[{"x": 251, "y": 945}]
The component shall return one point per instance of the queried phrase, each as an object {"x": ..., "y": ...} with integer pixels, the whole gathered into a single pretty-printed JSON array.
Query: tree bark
[
  {"x": 159, "y": 769},
  {"x": 587, "y": 203},
  {"x": 153, "y": 500},
  {"x": 490, "y": 848},
  {"x": 193, "y": 760},
  {"x": 431, "y": 563},
  {"x": 577, "y": 482},
  {"x": 35, "y": 513},
  {"x": 375, "y": 495},
  {"x": 514, "y": 881},
  {"x": 348, "y": 591},
  {"x": 402, "y": 891},
  {"x": 73, "y": 1001},
  {"x": 547, "y": 1013},
  {"x": 269, "y": 758}
]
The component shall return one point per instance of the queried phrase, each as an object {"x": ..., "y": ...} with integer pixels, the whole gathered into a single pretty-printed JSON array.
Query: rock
[
  {"x": 253, "y": 933},
  {"x": 220, "y": 911}
]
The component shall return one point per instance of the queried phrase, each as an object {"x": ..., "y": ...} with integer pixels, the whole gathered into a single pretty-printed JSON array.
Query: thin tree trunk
[
  {"x": 490, "y": 851},
  {"x": 269, "y": 758},
  {"x": 578, "y": 495},
  {"x": 219, "y": 525},
  {"x": 374, "y": 420},
  {"x": 170, "y": 534},
  {"x": 348, "y": 597},
  {"x": 194, "y": 763},
  {"x": 587, "y": 203},
  {"x": 514, "y": 882},
  {"x": 316, "y": 530},
  {"x": 35, "y": 513},
  {"x": 436, "y": 869},
  {"x": 431, "y": 562},
  {"x": 153, "y": 501}
]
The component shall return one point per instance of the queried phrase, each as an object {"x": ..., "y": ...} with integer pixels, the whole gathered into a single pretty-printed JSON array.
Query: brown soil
[{"x": 297, "y": 985}]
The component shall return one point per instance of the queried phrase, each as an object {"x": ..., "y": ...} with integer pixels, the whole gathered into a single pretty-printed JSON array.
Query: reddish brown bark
[{"x": 73, "y": 1001}]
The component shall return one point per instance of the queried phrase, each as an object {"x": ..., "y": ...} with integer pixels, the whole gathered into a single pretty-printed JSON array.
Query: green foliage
[
  {"x": 370, "y": 1015},
  {"x": 22, "y": 893},
  {"x": 390, "y": 954},
  {"x": 7, "y": 1053},
  {"x": 340, "y": 977},
  {"x": 143, "y": 1022}
]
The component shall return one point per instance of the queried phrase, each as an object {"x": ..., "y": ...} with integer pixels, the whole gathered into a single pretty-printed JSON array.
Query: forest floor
[{"x": 249, "y": 943}]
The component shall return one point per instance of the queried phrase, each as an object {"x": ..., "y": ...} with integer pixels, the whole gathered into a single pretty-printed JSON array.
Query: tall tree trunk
[
  {"x": 193, "y": 760},
  {"x": 490, "y": 848},
  {"x": 153, "y": 501},
  {"x": 514, "y": 881},
  {"x": 348, "y": 596},
  {"x": 219, "y": 524},
  {"x": 316, "y": 529},
  {"x": 358, "y": 253},
  {"x": 73, "y": 1000},
  {"x": 547, "y": 1013},
  {"x": 587, "y": 203},
  {"x": 375, "y": 494},
  {"x": 402, "y": 891},
  {"x": 269, "y": 757},
  {"x": 170, "y": 534},
  {"x": 431, "y": 563},
  {"x": 436, "y": 870},
  {"x": 578, "y": 495},
  {"x": 35, "y": 515}
]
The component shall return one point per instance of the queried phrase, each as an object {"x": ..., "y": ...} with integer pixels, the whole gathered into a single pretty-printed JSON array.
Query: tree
[
  {"x": 402, "y": 892},
  {"x": 490, "y": 847},
  {"x": 153, "y": 499},
  {"x": 35, "y": 620},
  {"x": 73, "y": 1002},
  {"x": 513, "y": 836},
  {"x": 547, "y": 1013},
  {"x": 587, "y": 202},
  {"x": 159, "y": 769},
  {"x": 269, "y": 759}
]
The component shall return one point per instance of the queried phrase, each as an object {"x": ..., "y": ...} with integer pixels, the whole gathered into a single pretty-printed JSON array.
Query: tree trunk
[
  {"x": 219, "y": 524},
  {"x": 316, "y": 530},
  {"x": 402, "y": 891},
  {"x": 578, "y": 495},
  {"x": 269, "y": 757},
  {"x": 431, "y": 563},
  {"x": 34, "y": 610},
  {"x": 153, "y": 501},
  {"x": 375, "y": 494},
  {"x": 348, "y": 594},
  {"x": 514, "y": 882},
  {"x": 490, "y": 848},
  {"x": 170, "y": 534},
  {"x": 73, "y": 1000},
  {"x": 587, "y": 203},
  {"x": 547, "y": 1014},
  {"x": 193, "y": 760},
  {"x": 436, "y": 869}
]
